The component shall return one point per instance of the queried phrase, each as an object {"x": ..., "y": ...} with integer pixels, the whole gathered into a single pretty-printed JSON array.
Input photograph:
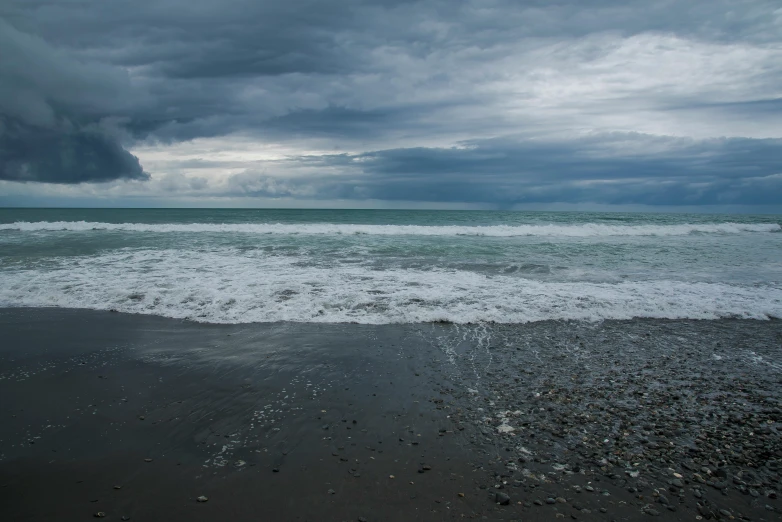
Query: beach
[
  {"x": 390, "y": 261},
  {"x": 138, "y": 416}
]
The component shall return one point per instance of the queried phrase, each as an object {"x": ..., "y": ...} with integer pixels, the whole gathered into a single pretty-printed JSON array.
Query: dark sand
[{"x": 639, "y": 419}]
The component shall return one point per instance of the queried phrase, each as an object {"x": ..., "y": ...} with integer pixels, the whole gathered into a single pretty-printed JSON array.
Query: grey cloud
[
  {"x": 34, "y": 154},
  {"x": 610, "y": 169},
  {"x": 212, "y": 68},
  {"x": 378, "y": 75},
  {"x": 58, "y": 116}
]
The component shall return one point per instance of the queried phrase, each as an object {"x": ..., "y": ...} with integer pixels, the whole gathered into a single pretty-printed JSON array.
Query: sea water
[{"x": 373, "y": 266}]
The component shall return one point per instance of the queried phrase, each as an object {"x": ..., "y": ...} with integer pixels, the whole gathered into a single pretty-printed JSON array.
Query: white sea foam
[
  {"x": 229, "y": 287},
  {"x": 579, "y": 230}
]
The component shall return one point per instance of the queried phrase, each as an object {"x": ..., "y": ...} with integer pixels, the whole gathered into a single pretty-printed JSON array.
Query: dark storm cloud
[
  {"x": 88, "y": 79},
  {"x": 56, "y": 116},
  {"x": 56, "y": 156}
]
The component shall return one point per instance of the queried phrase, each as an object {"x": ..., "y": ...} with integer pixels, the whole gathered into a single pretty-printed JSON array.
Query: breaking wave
[
  {"x": 224, "y": 287},
  {"x": 579, "y": 230}
]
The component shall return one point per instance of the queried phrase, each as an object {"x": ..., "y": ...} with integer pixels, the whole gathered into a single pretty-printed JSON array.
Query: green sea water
[{"x": 380, "y": 266}]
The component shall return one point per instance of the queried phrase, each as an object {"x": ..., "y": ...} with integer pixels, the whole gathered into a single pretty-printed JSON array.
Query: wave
[
  {"x": 219, "y": 287},
  {"x": 575, "y": 230}
]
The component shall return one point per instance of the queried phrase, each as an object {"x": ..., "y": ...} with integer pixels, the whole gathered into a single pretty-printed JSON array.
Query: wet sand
[{"x": 138, "y": 416}]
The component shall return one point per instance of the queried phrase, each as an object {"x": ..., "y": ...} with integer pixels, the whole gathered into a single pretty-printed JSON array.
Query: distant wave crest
[{"x": 576, "y": 230}]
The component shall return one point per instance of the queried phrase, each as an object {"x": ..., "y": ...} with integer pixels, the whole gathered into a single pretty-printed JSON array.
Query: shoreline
[{"x": 481, "y": 410}]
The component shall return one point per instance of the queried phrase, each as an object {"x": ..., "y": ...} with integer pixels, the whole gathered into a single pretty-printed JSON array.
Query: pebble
[
  {"x": 99, "y": 514},
  {"x": 550, "y": 501},
  {"x": 202, "y": 498},
  {"x": 502, "y": 499}
]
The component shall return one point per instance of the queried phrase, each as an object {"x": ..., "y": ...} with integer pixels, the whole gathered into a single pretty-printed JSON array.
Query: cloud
[
  {"x": 614, "y": 169},
  {"x": 57, "y": 114},
  {"x": 36, "y": 154},
  {"x": 490, "y": 101}
]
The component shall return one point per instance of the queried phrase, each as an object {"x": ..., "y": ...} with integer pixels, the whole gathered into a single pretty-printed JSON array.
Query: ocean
[{"x": 388, "y": 266}]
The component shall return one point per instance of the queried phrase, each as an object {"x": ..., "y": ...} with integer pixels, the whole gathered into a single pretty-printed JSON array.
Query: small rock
[
  {"x": 502, "y": 499},
  {"x": 537, "y": 502},
  {"x": 550, "y": 501},
  {"x": 275, "y": 470},
  {"x": 147, "y": 460},
  {"x": 117, "y": 487},
  {"x": 202, "y": 498},
  {"x": 332, "y": 492},
  {"x": 362, "y": 519},
  {"x": 99, "y": 514}
]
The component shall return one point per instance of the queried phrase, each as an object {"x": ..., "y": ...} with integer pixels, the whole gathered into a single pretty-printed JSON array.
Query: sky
[{"x": 508, "y": 104}]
